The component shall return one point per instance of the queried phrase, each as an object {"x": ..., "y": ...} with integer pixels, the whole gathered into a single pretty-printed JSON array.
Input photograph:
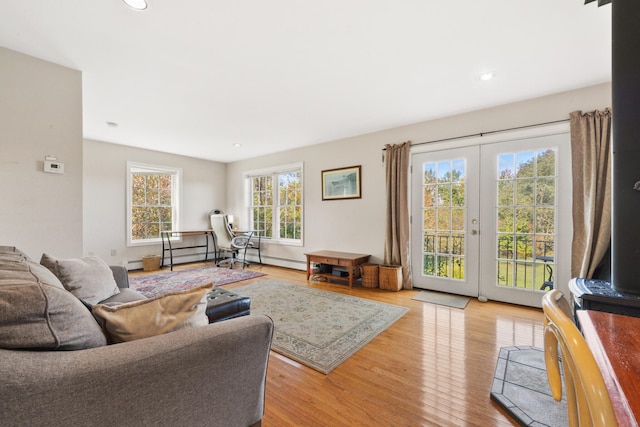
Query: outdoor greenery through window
[
  {"x": 152, "y": 202},
  {"x": 275, "y": 208},
  {"x": 444, "y": 211},
  {"x": 526, "y": 213}
]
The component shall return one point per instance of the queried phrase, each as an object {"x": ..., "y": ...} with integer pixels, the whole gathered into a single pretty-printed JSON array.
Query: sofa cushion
[
  {"x": 49, "y": 261},
  {"x": 90, "y": 279},
  {"x": 36, "y": 312},
  {"x": 154, "y": 316},
  {"x": 125, "y": 295}
]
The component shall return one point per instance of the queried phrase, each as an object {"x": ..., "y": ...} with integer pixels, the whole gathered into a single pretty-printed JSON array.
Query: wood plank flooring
[{"x": 433, "y": 367}]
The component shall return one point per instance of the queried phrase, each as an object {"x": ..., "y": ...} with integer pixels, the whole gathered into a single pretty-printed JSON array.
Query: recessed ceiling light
[
  {"x": 487, "y": 76},
  {"x": 136, "y": 4},
  {"x": 237, "y": 144}
]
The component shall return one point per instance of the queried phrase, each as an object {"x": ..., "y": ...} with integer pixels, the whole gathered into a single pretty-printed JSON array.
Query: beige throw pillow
[
  {"x": 146, "y": 318},
  {"x": 90, "y": 279}
]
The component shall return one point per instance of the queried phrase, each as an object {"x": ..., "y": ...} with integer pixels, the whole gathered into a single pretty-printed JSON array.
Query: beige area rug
[
  {"x": 441, "y": 298},
  {"x": 317, "y": 328}
]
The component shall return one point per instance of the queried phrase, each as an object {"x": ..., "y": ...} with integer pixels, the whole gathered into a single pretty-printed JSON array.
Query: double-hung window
[
  {"x": 153, "y": 201},
  {"x": 275, "y": 202}
]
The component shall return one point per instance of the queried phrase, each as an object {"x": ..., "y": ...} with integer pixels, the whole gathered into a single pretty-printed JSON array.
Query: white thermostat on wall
[{"x": 53, "y": 166}]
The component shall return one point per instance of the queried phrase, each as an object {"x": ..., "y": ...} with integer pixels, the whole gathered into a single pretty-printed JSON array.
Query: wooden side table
[
  {"x": 615, "y": 345},
  {"x": 344, "y": 259}
]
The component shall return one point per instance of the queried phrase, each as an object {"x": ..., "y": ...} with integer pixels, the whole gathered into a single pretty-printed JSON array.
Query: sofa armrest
[
  {"x": 121, "y": 275},
  {"x": 212, "y": 375}
]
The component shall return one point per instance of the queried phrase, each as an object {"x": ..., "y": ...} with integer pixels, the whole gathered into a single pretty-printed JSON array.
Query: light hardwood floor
[{"x": 433, "y": 367}]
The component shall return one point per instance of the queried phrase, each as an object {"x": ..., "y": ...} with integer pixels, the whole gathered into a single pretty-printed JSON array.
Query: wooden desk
[
  {"x": 344, "y": 259},
  {"x": 167, "y": 235},
  {"x": 615, "y": 343}
]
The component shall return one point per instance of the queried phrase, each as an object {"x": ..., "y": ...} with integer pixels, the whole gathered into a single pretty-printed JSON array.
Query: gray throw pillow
[
  {"x": 36, "y": 312},
  {"x": 90, "y": 279}
]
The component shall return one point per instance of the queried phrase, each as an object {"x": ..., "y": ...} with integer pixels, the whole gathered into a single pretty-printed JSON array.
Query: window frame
[
  {"x": 176, "y": 198},
  {"x": 275, "y": 172}
]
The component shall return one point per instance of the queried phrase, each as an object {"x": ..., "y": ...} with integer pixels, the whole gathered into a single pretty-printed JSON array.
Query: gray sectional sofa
[{"x": 57, "y": 369}]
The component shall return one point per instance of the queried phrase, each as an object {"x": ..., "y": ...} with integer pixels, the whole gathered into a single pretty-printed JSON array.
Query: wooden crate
[{"x": 390, "y": 277}]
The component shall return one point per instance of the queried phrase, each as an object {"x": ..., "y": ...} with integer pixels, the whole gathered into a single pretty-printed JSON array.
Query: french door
[
  {"x": 493, "y": 220},
  {"x": 526, "y": 249},
  {"x": 445, "y": 220}
]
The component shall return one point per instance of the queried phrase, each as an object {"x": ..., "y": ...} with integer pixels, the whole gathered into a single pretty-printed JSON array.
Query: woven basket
[
  {"x": 369, "y": 274},
  {"x": 390, "y": 277},
  {"x": 151, "y": 263}
]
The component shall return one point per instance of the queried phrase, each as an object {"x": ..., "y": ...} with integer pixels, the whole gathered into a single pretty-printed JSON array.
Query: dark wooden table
[
  {"x": 614, "y": 340},
  {"x": 344, "y": 259}
]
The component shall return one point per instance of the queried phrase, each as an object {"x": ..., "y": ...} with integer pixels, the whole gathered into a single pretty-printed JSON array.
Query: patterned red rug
[{"x": 157, "y": 284}]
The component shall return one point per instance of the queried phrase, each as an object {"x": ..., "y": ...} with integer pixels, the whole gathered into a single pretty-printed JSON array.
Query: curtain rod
[{"x": 481, "y": 134}]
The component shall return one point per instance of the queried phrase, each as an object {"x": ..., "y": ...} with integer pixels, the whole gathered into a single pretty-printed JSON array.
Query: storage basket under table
[{"x": 390, "y": 277}]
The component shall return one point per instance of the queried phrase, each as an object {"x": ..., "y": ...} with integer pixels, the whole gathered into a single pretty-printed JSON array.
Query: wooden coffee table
[{"x": 344, "y": 259}]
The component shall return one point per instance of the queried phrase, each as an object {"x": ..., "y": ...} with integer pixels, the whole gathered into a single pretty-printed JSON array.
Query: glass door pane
[
  {"x": 444, "y": 212},
  {"x": 525, "y": 218}
]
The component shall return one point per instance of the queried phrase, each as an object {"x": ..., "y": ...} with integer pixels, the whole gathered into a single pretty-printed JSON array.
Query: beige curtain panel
[
  {"x": 397, "y": 250},
  {"x": 591, "y": 169}
]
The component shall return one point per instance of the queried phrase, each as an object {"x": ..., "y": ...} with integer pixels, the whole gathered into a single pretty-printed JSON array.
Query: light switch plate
[{"x": 53, "y": 167}]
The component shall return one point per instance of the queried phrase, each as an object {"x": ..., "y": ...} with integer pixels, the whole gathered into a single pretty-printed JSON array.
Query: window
[
  {"x": 152, "y": 202},
  {"x": 275, "y": 202}
]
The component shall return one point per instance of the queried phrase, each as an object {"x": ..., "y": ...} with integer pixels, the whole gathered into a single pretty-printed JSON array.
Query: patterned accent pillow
[{"x": 154, "y": 316}]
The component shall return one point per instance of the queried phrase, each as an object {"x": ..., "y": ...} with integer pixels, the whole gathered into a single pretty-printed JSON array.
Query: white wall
[
  {"x": 40, "y": 114},
  {"x": 358, "y": 225},
  {"x": 105, "y": 177}
]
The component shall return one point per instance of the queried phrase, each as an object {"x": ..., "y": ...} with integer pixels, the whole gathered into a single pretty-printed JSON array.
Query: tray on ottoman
[{"x": 223, "y": 304}]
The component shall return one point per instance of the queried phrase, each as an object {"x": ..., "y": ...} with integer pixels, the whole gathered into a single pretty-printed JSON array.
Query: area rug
[
  {"x": 521, "y": 388},
  {"x": 157, "y": 284},
  {"x": 317, "y": 328},
  {"x": 441, "y": 298}
]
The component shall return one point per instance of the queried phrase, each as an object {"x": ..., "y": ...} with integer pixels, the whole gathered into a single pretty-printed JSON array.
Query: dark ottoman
[{"x": 223, "y": 304}]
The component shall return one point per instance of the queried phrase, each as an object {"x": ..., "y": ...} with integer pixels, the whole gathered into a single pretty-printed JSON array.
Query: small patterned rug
[
  {"x": 521, "y": 387},
  {"x": 157, "y": 284},
  {"x": 317, "y": 328}
]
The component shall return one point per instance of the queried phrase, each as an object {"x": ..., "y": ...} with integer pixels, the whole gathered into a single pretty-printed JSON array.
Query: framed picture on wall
[{"x": 340, "y": 184}]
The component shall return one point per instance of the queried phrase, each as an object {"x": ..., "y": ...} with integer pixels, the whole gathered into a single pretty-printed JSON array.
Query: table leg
[
  {"x": 162, "y": 259},
  {"x": 170, "y": 254},
  {"x": 308, "y": 267},
  {"x": 351, "y": 275}
]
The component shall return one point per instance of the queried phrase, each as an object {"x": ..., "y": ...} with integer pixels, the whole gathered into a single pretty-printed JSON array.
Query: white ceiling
[{"x": 193, "y": 77}]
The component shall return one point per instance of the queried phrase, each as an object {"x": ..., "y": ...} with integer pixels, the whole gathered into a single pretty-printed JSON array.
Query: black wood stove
[{"x": 599, "y": 295}]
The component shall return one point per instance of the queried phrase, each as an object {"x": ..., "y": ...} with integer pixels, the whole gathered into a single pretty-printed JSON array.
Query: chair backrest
[
  {"x": 221, "y": 230},
  {"x": 588, "y": 400}
]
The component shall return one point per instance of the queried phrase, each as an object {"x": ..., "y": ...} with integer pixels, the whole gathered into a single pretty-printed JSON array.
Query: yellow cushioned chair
[{"x": 588, "y": 400}]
